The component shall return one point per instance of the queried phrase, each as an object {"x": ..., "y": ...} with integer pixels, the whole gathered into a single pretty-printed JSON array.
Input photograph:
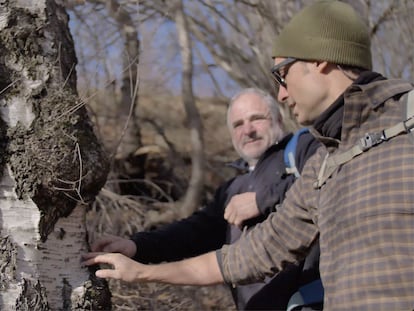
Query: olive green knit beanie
[{"x": 327, "y": 30}]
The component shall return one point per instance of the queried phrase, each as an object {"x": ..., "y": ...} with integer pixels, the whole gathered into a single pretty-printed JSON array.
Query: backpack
[{"x": 290, "y": 153}]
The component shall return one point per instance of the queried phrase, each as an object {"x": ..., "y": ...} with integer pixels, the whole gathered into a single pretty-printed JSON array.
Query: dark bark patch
[
  {"x": 3, "y": 145},
  {"x": 58, "y": 161},
  {"x": 66, "y": 293},
  {"x": 8, "y": 255},
  {"x": 5, "y": 82},
  {"x": 32, "y": 297},
  {"x": 97, "y": 295},
  {"x": 19, "y": 21}
]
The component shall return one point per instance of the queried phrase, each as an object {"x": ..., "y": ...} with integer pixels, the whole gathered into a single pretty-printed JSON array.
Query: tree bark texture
[{"x": 51, "y": 163}]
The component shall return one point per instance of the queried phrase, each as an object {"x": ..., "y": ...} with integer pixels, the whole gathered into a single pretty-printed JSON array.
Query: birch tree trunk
[{"x": 51, "y": 163}]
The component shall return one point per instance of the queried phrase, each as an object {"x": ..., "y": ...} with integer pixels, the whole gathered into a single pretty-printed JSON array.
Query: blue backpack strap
[
  {"x": 409, "y": 108},
  {"x": 312, "y": 292},
  {"x": 290, "y": 153},
  {"x": 307, "y": 295}
]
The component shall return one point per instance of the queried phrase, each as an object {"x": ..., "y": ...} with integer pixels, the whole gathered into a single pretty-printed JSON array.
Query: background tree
[
  {"x": 193, "y": 195},
  {"x": 51, "y": 163}
]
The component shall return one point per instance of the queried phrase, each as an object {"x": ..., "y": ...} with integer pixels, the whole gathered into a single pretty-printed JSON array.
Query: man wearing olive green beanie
[
  {"x": 358, "y": 201},
  {"x": 355, "y": 194}
]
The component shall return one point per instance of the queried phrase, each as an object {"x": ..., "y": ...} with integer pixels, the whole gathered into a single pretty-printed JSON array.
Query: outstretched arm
[{"x": 201, "y": 270}]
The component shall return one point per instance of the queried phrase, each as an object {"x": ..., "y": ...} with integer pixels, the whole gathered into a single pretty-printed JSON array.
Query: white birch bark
[{"x": 54, "y": 263}]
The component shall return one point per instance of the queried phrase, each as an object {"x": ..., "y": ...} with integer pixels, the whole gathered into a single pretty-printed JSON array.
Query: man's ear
[{"x": 323, "y": 67}]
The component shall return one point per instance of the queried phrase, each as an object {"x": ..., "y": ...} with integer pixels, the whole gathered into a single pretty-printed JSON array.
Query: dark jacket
[
  {"x": 270, "y": 182},
  {"x": 363, "y": 213},
  {"x": 206, "y": 230}
]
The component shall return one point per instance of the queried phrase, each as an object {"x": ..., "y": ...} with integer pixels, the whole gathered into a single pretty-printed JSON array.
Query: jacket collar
[{"x": 329, "y": 123}]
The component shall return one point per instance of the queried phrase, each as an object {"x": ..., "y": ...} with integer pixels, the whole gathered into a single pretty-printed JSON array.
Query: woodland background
[{"x": 156, "y": 77}]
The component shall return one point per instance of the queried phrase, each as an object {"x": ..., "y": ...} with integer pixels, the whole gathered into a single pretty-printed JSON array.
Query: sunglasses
[{"x": 279, "y": 77}]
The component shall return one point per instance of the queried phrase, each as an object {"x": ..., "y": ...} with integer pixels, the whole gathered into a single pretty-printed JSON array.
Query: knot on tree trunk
[{"x": 58, "y": 161}]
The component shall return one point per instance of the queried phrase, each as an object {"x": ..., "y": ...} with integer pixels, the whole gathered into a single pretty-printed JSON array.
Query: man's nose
[{"x": 248, "y": 128}]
